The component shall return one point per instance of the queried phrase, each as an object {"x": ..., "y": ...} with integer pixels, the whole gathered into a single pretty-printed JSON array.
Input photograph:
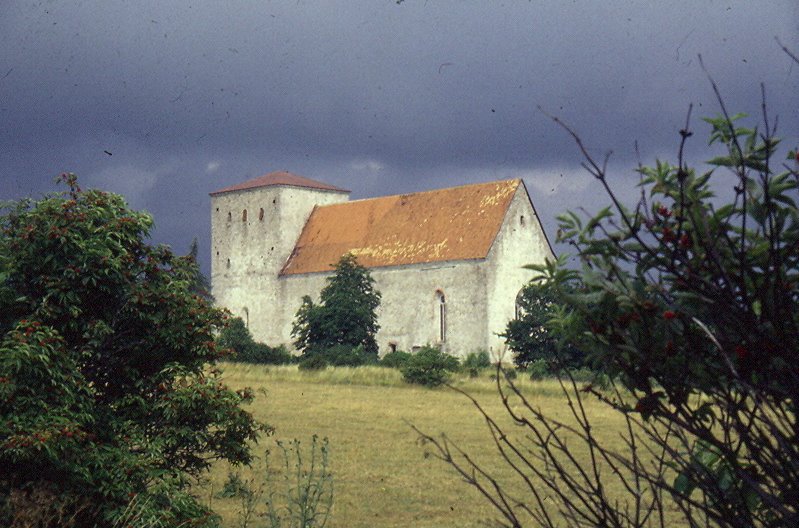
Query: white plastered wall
[
  {"x": 247, "y": 256},
  {"x": 520, "y": 241}
]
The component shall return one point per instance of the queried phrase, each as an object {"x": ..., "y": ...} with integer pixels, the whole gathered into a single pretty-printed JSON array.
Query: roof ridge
[
  {"x": 475, "y": 184},
  {"x": 279, "y": 178}
]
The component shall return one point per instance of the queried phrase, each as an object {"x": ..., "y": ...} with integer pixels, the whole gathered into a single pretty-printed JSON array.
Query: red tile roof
[
  {"x": 448, "y": 224},
  {"x": 279, "y": 178}
]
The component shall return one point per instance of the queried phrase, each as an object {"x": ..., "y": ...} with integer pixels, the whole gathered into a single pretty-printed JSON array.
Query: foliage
[
  {"x": 341, "y": 355},
  {"x": 199, "y": 283},
  {"x": 346, "y": 314},
  {"x": 396, "y": 359},
  {"x": 107, "y": 386},
  {"x": 315, "y": 362},
  {"x": 236, "y": 337},
  {"x": 689, "y": 302},
  {"x": 429, "y": 367},
  {"x": 538, "y": 369},
  {"x": 304, "y": 496},
  {"x": 528, "y": 336},
  {"x": 307, "y": 495},
  {"x": 475, "y": 362}
]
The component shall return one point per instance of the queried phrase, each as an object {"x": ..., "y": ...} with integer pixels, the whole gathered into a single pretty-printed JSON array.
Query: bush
[
  {"x": 316, "y": 362},
  {"x": 538, "y": 369},
  {"x": 237, "y": 338},
  {"x": 689, "y": 302},
  {"x": 108, "y": 394},
  {"x": 264, "y": 354},
  {"x": 475, "y": 362},
  {"x": 342, "y": 355},
  {"x": 396, "y": 359},
  {"x": 429, "y": 367}
]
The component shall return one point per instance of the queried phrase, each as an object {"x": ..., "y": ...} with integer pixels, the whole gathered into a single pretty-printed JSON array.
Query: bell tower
[{"x": 254, "y": 227}]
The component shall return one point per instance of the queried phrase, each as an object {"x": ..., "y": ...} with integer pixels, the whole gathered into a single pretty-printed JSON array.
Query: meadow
[{"x": 382, "y": 476}]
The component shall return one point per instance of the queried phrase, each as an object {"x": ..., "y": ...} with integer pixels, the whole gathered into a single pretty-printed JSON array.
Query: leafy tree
[
  {"x": 109, "y": 402},
  {"x": 528, "y": 336},
  {"x": 690, "y": 302},
  {"x": 429, "y": 367},
  {"x": 346, "y": 314},
  {"x": 237, "y": 338},
  {"x": 200, "y": 284}
]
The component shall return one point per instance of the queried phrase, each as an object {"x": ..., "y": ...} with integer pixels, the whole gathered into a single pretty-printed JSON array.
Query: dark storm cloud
[{"x": 166, "y": 101}]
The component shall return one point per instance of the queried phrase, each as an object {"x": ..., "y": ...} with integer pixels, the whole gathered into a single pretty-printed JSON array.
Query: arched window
[
  {"x": 244, "y": 215},
  {"x": 261, "y": 215},
  {"x": 229, "y": 216},
  {"x": 442, "y": 315}
]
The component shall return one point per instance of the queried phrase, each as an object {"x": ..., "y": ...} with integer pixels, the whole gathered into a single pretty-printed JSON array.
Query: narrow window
[
  {"x": 442, "y": 316},
  {"x": 261, "y": 215},
  {"x": 246, "y": 317},
  {"x": 228, "y": 263},
  {"x": 392, "y": 347},
  {"x": 244, "y": 215},
  {"x": 229, "y": 216},
  {"x": 521, "y": 220}
]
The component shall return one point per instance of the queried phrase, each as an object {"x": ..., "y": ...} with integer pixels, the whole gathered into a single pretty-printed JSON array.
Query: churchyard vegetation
[
  {"x": 237, "y": 339},
  {"x": 110, "y": 404},
  {"x": 342, "y": 327},
  {"x": 381, "y": 476},
  {"x": 687, "y": 300}
]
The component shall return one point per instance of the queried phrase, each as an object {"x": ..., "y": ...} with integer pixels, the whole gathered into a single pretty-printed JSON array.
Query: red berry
[
  {"x": 741, "y": 353},
  {"x": 669, "y": 315}
]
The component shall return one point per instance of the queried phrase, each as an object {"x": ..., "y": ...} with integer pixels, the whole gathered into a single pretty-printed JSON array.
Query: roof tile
[{"x": 448, "y": 224}]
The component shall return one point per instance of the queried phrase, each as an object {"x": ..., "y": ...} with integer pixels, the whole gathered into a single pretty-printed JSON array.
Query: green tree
[
  {"x": 200, "y": 284},
  {"x": 236, "y": 338},
  {"x": 346, "y": 314},
  {"x": 528, "y": 336},
  {"x": 690, "y": 302},
  {"x": 109, "y": 401}
]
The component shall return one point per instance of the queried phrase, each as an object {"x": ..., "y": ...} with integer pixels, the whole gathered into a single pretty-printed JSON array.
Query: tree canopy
[
  {"x": 346, "y": 314},
  {"x": 109, "y": 401}
]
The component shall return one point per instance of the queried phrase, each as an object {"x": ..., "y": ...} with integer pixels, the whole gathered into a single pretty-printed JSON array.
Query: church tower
[{"x": 254, "y": 227}]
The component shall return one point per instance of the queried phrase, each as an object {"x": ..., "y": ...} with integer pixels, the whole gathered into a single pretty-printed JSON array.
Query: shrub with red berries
[
  {"x": 689, "y": 301},
  {"x": 105, "y": 392}
]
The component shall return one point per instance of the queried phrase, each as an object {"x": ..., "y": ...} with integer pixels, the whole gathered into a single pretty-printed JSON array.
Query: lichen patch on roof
[
  {"x": 449, "y": 224},
  {"x": 280, "y": 178}
]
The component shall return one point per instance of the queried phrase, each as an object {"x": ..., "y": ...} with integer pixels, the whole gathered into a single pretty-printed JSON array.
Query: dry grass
[{"x": 381, "y": 476}]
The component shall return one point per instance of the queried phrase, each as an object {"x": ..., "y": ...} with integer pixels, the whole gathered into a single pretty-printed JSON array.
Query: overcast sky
[{"x": 165, "y": 102}]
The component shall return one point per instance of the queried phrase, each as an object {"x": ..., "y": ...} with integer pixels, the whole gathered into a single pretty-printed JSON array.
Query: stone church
[{"x": 448, "y": 263}]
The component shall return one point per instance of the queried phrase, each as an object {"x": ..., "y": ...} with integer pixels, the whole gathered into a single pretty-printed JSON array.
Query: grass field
[{"x": 381, "y": 475}]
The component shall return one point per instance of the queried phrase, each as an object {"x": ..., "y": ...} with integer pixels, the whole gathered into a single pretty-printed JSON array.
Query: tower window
[
  {"x": 521, "y": 220},
  {"x": 261, "y": 215},
  {"x": 229, "y": 216},
  {"x": 244, "y": 215},
  {"x": 228, "y": 263}
]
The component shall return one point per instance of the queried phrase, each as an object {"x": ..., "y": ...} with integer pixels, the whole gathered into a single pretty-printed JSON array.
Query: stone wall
[
  {"x": 248, "y": 250},
  {"x": 410, "y": 310},
  {"x": 520, "y": 241}
]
